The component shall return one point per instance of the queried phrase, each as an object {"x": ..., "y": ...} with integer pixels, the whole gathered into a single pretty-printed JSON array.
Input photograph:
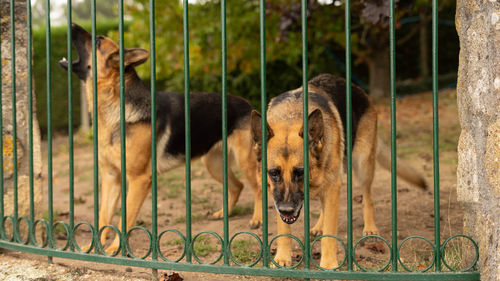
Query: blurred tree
[{"x": 326, "y": 41}]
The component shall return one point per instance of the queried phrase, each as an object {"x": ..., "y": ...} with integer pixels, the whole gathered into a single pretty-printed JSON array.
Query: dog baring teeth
[{"x": 288, "y": 219}]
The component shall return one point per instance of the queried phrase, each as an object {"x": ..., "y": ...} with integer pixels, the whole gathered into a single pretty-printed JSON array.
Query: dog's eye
[
  {"x": 298, "y": 174},
  {"x": 275, "y": 174}
]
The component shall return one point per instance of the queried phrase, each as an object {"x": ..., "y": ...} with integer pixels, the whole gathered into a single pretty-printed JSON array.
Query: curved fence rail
[{"x": 34, "y": 235}]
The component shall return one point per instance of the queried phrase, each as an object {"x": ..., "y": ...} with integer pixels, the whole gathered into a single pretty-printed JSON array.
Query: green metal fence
[{"x": 395, "y": 269}]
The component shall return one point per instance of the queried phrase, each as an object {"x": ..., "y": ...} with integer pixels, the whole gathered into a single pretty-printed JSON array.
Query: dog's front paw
[
  {"x": 284, "y": 260},
  {"x": 218, "y": 215},
  {"x": 86, "y": 248},
  {"x": 255, "y": 223},
  {"x": 316, "y": 232},
  {"x": 370, "y": 231},
  {"x": 112, "y": 250},
  {"x": 328, "y": 263}
]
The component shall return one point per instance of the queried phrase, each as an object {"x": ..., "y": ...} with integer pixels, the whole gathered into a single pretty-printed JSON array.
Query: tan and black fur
[
  {"x": 326, "y": 134},
  {"x": 206, "y": 130}
]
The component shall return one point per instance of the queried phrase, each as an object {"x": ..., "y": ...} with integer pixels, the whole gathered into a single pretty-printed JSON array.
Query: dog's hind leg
[
  {"x": 139, "y": 187},
  {"x": 213, "y": 162},
  {"x": 364, "y": 153}
]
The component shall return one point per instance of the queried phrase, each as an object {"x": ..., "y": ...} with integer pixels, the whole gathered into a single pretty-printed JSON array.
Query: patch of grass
[
  {"x": 454, "y": 256},
  {"x": 174, "y": 242},
  {"x": 174, "y": 189},
  {"x": 58, "y": 230},
  {"x": 243, "y": 251},
  {"x": 242, "y": 210},
  {"x": 202, "y": 246},
  {"x": 199, "y": 200}
]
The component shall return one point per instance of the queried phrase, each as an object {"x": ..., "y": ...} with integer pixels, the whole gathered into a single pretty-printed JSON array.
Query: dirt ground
[{"x": 415, "y": 207}]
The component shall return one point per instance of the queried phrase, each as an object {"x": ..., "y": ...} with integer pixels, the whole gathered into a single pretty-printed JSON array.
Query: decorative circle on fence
[
  {"x": 100, "y": 247},
  {"x": 27, "y": 221},
  {"x": 12, "y": 222},
  {"x": 443, "y": 253},
  {"x": 209, "y": 233},
  {"x": 254, "y": 262},
  {"x": 66, "y": 228},
  {"x": 421, "y": 238},
  {"x": 183, "y": 243},
  {"x": 298, "y": 241},
  {"x": 376, "y": 237},
  {"x": 75, "y": 244},
  {"x": 127, "y": 244},
  {"x": 328, "y": 236},
  {"x": 46, "y": 226}
]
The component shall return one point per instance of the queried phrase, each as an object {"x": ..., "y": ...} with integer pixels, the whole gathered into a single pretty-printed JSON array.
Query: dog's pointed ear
[
  {"x": 256, "y": 128},
  {"x": 316, "y": 128},
  {"x": 131, "y": 57},
  {"x": 135, "y": 56}
]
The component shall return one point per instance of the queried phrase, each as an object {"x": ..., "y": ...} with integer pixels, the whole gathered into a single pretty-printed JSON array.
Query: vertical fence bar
[
  {"x": 14, "y": 115},
  {"x": 2, "y": 230},
  {"x": 70, "y": 128},
  {"x": 94, "y": 126},
  {"x": 305, "y": 96},
  {"x": 394, "y": 187},
  {"x": 30, "y": 123},
  {"x": 263, "y": 109},
  {"x": 187, "y": 120},
  {"x": 122, "y": 130},
  {"x": 224, "y": 132},
  {"x": 435, "y": 129},
  {"x": 154, "y": 180},
  {"x": 348, "y": 131},
  {"x": 49, "y": 123},
  {"x": 152, "y": 38}
]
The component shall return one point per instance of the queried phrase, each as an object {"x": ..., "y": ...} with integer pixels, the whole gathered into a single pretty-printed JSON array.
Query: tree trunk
[{"x": 379, "y": 71}]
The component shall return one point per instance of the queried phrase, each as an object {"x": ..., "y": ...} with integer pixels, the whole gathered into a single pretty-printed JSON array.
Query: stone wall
[
  {"x": 478, "y": 93},
  {"x": 21, "y": 114}
]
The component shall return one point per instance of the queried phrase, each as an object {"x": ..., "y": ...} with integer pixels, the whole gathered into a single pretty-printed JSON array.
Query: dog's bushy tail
[{"x": 404, "y": 170}]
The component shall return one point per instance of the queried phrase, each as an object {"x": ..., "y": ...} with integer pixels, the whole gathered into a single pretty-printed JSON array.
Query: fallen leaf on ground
[
  {"x": 173, "y": 277},
  {"x": 376, "y": 247}
]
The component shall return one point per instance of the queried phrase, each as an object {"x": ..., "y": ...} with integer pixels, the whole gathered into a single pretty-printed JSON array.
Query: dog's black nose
[{"x": 286, "y": 210}]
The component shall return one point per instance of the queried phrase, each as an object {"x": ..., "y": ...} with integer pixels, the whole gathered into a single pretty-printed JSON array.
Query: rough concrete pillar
[
  {"x": 478, "y": 94},
  {"x": 21, "y": 116}
]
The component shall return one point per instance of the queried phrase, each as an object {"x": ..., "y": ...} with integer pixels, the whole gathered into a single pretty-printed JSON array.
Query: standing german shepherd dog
[
  {"x": 206, "y": 130},
  {"x": 326, "y": 121}
]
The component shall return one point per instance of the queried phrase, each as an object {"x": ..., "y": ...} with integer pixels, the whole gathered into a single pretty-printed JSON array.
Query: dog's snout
[{"x": 286, "y": 209}]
